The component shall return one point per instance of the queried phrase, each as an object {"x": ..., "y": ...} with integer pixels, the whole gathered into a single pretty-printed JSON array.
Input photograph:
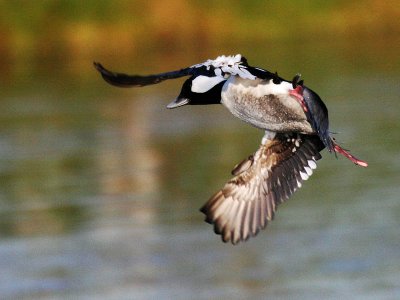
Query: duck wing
[
  {"x": 125, "y": 80},
  {"x": 219, "y": 67},
  {"x": 249, "y": 200}
]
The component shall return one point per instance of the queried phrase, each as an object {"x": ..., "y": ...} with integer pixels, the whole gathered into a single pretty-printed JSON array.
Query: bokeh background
[{"x": 100, "y": 187}]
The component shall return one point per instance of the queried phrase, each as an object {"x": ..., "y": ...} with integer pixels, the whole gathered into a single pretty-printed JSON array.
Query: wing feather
[
  {"x": 124, "y": 80},
  {"x": 249, "y": 200}
]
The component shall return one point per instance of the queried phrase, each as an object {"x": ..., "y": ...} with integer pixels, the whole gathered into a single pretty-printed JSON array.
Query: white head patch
[
  {"x": 202, "y": 84},
  {"x": 228, "y": 64}
]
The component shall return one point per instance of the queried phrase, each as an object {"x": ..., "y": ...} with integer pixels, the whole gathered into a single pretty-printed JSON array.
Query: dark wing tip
[
  {"x": 98, "y": 66},
  {"x": 117, "y": 79},
  {"x": 124, "y": 80},
  {"x": 103, "y": 71}
]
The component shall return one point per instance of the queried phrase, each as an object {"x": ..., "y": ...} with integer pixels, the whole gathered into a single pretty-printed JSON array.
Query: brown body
[{"x": 265, "y": 105}]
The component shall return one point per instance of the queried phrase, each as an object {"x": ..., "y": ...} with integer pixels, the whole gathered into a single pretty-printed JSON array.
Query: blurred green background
[{"x": 100, "y": 187}]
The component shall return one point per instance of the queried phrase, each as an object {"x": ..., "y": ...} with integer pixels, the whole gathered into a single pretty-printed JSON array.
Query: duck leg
[{"x": 346, "y": 154}]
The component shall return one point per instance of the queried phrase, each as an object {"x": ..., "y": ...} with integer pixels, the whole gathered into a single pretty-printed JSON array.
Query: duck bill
[{"x": 178, "y": 102}]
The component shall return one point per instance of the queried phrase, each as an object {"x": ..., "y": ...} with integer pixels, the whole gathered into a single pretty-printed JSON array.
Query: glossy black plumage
[
  {"x": 124, "y": 80},
  {"x": 212, "y": 96}
]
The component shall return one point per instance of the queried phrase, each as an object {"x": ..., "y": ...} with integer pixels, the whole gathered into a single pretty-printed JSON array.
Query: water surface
[{"x": 100, "y": 189}]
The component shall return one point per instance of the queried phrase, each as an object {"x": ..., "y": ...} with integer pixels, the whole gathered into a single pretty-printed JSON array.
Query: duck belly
[{"x": 265, "y": 105}]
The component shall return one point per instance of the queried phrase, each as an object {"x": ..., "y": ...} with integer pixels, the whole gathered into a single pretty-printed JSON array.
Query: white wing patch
[
  {"x": 312, "y": 164},
  {"x": 303, "y": 175}
]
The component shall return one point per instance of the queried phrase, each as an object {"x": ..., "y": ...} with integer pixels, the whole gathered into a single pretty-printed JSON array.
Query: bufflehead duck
[{"x": 296, "y": 125}]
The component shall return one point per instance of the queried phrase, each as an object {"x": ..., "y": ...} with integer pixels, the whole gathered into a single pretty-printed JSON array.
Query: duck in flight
[{"x": 296, "y": 125}]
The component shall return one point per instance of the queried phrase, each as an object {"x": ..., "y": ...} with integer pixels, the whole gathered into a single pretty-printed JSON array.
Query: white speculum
[{"x": 202, "y": 84}]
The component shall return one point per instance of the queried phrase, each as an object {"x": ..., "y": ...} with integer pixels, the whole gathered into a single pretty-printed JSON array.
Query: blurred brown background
[{"x": 73, "y": 32}]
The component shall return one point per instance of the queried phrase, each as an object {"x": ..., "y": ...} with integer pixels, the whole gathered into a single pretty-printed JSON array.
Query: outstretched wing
[
  {"x": 124, "y": 80},
  {"x": 220, "y": 67},
  {"x": 248, "y": 201}
]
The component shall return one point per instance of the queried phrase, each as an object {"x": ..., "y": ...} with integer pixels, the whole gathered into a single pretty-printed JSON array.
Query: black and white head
[
  {"x": 205, "y": 86},
  {"x": 200, "y": 90}
]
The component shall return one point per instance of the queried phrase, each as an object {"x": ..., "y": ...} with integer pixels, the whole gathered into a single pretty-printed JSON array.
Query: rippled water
[{"x": 100, "y": 190}]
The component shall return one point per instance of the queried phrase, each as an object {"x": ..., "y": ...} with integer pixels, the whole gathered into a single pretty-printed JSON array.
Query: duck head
[{"x": 199, "y": 90}]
